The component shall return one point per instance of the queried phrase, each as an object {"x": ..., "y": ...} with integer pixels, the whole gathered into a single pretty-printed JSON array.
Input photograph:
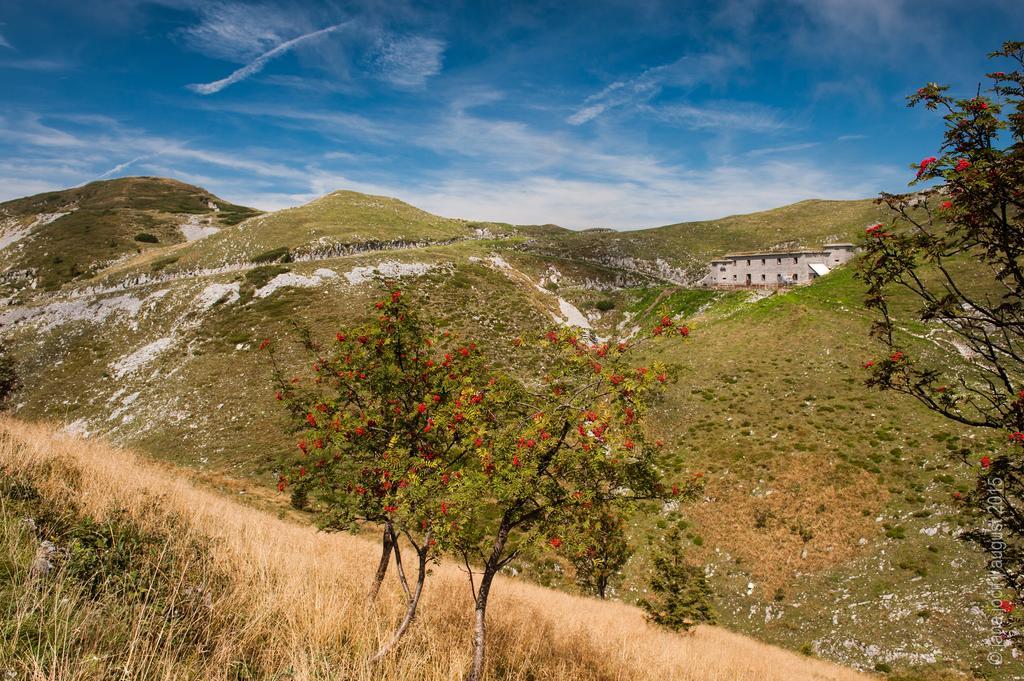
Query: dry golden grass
[
  {"x": 806, "y": 495},
  {"x": 293, "y": 605}
]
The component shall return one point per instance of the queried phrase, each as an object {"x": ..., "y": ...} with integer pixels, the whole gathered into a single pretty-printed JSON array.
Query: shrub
[
  {"x": 147, "y": 238},
  {"x": 281, "y": 254},
  {"x": 681, "y": 596},
  {"x": 158, "y": 265},
  {"x": 8, "y": 374},
  {"x": 605, "y": 305},
  {"x": 258, "y": 277},
  {"x": 896, "y": 532}
]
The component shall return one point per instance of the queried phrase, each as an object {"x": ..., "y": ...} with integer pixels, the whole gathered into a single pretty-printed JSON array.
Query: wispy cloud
[
  {"x": 331, "y": 124},
  {"x": 235, "y": 31},
  {"x": 4, "y": 42},
  {"x": 866, "y": 28},
  {"x": 35, "y": 64},
  {"x": 69, "y": 150},
  {"x": 259, "y": 62},
  {"x": 407, "y": 61},
  {"x": 731, "y": 116},
  {"x": 783, "y": 149},
  {"x": 614, "y": 95},
  {"x": 686, "y": 71},
  {"x": 31, "y": 131},
  {"x": 673, "y": 197}
]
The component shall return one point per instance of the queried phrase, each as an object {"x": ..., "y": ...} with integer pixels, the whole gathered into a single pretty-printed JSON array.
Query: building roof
[
  {"x": 819, "y": 269},
  {"x": 771, "y": 254}
]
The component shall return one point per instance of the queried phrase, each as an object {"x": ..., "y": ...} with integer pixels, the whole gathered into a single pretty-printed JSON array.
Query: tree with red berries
[
  {"x": 602, "y": 553},
  {"x": 551, "y": 454},
  {"x": 958, "y": 250},
  {"x": 415, "y": 431},
  {"x": 383, "y": 415}
]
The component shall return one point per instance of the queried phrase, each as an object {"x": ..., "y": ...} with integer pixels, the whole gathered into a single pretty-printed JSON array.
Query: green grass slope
[
  {"x": 61, "y": 236},
  {"x": 340, "y": 222},
  {"x": 681, "y": 251}
]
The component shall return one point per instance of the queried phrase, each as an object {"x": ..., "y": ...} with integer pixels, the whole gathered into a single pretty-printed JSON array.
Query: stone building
[{"x": 778, "y": 268}]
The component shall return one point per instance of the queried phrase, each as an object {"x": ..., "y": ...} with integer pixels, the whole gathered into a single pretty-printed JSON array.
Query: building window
[
  {"x": 721, "y": 269},
  {"x": 795, "y": 277},
  {"x": 762, "y": 277},
  {"x": 734, "y": 277},
  {"x": 762, "y": 261},
  {"x": 778, "y": 261},
  {"x": 796, "y": 261},
  {"x": 748, "y": 263}
]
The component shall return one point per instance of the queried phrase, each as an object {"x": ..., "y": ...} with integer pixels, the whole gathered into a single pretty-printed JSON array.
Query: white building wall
[{"x": 776, "y": 269}]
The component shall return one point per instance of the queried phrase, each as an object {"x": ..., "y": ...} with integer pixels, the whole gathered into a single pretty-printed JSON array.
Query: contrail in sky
[
  {"x": 121, "y": 166},
  {"x": 257, "y": 64}
]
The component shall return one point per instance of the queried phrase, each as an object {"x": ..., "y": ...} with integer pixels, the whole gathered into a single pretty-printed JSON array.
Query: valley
[{"x": 826, "y": 526}]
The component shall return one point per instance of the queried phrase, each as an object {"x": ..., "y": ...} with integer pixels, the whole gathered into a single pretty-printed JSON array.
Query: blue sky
[{"x": 612, "y": 114}]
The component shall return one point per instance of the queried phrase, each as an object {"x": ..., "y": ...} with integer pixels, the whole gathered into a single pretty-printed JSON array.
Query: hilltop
[
  {"x": 336, "y": 224},
  {"x": 826, "y": 526},
  {"x": 51, "y": 239}
]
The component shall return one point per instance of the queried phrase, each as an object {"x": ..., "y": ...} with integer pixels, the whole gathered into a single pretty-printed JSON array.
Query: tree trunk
[
  {"x": 491, "y": 567},
  {"x": 382, "y": 568},
  {"x": 412, "y": 603},
  {"x": 476, "y": 672}
]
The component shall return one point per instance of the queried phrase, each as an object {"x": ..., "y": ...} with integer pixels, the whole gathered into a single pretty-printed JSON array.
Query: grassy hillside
[
  {"x": 684, "y": 249},
  {"x": 200, "y": 586},
  {"x": 53, "y": 238},
  {"x": 826, "y": 526},
  {"x": 338, "y": 223}
]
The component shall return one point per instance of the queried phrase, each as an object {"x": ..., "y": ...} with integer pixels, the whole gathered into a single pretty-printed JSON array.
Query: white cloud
[
  {"x": 30, "y": 130},
  {"x": 783, "y": 149},
  {"x": 685, "y": 72},
  {"x": 327, "y": 123},
  {"x": 5, "y": 43},
  {"x": 235, "y": 31},
  {"x": 588, "y": 113},
  {"x": 17, "y": 187},
  {"x": 864, "y": 20},
  {"x": 36, "y": 64},
  {"x": 259, "y": 62},
  {"x": 44, "y": 155},
  {"x": 407, "y": 61},
  {"x": 617, "y": 94},
  {"x": 679, "y": 196},
  {"x": 494, "y": 170},
  {"x": 732, "y": 116}
]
